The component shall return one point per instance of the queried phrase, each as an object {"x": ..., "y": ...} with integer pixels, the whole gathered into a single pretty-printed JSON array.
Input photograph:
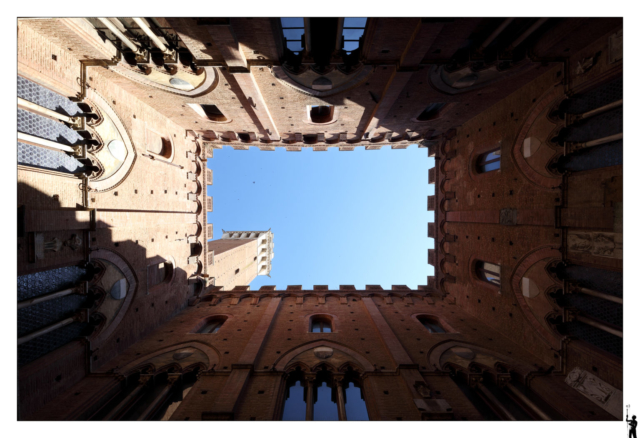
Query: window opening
[
  {"x": 431, "y": 324},
  {"x": 159, "y": 273},
  {"x": 430, "y": 112},
  {"x": 489, "y": 161},
  {"x": 354, "y": 404},
  {"x": 321, "y": 325},
  {"x": 212, "y": 325},
  {"x": 293, "y": 32},
  {"x": 321, "y": 114},
  {"x": 352, "y": 32},
  {"x": 213, "y": 113},
  {"x": 295, "y": 405},
  {"x": 488, "y": 272},
  {"x": 325, "y": 407}
]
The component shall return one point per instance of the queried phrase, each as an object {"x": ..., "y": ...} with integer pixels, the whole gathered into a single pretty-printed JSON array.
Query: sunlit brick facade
[{"x": 128, "y": 309}]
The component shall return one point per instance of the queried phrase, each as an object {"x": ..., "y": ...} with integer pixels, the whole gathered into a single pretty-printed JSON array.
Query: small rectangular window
[{"x": 237, "y": 271}]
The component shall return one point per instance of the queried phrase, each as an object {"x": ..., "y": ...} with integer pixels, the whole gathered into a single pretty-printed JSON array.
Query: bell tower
[{"x": 240, "y": 256}]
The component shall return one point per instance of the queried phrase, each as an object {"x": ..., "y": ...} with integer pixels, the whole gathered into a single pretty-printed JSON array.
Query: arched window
[
  {"x": 320, "y": 324},
  {"x": 332, "y": 397},
  {"x": 321, "y": 113},
  {"x": 431, "y": 324},
  {"x": 354, "y": 404},
  {"x": 489, "y": 161},
  {"x": 159, "y": 273},
  {"x": 212, "y": 325},
  {"x": 213, "y": 113},
  {"x": 488, "y": 272},
  {"x": 209, "y": 112},
  {"x": 293, "y": 32},
  {"x": 352, "y": 32},
  {"x": 325, "y": 406},
  {"x": 295, "y": 404},
  {"x": 431, "y": 112},
  {"x": 158, "y": 145}
]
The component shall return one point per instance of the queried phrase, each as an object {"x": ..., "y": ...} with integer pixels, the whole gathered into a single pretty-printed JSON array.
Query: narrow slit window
[
  {"x": 352, "y": 32},
  {"x": 488, "y": 272},
  {"x": 293, "y": 33},
  {"x": 489, "y": 161}
]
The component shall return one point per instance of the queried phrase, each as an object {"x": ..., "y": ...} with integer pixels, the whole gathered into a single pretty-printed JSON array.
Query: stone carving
[
  {"x": 586, "y": 64},
  {"x": 599, "y": 392},
  {"x": 615, "y": 47},
  {"x": 323, "y": 352},
  {"x": 40, "y": 246},
  {"x": 596, "y": 243},
  {"x": 74, "y": 242},
  {"x": 422, "y": 389},
  {"x": 508, "y": 216}
]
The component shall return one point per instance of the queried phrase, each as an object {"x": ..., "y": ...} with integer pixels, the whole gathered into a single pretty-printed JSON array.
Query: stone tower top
[{"x": 265, "y": 246}]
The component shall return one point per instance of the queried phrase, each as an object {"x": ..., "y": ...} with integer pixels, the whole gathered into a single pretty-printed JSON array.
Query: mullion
[
  {"x": 497, "y": 274},
  {"x": 491, "y": 161}
]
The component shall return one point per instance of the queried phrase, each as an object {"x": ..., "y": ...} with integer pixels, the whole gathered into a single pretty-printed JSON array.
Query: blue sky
[{"x": 338, "y": 218}]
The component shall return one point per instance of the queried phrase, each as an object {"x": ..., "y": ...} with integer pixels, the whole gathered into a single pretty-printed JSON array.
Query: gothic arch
[
  {"x": 436, "y": 353},
  {"x": 132, "y": 281},
  {"x": 114, "y": 180},
  {"x": 521, "y": 268},
  {"x": 542, "y": 106},
  {"x": 282, "y": 362},
  {"x": 208, "y": 84},
  {"x": 212, "y": 354}
]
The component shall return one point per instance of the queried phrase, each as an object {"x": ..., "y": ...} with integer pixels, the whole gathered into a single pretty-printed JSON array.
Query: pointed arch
[
  {"x": 212, "y": 354},
  {"x": 284, "y": 359}
]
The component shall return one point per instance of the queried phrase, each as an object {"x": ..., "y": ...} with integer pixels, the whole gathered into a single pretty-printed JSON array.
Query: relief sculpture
[
  {"x": 596, "y": 243},
  {"x": 599, "y": 392}
]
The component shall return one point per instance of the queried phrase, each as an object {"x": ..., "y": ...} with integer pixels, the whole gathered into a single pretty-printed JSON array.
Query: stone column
[
  {"x": 337, "y": 381},
  {"x": 493, "y": 401},
  {"x": 149, "y": 411},
  {"x": 309, "y": 380},
  {"x": 125, "y": 404},
  {"x": 527, "y": 401}
]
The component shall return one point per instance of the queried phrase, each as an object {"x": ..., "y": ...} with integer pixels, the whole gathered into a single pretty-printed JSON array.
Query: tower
[{"x": 240, "y": 256}]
